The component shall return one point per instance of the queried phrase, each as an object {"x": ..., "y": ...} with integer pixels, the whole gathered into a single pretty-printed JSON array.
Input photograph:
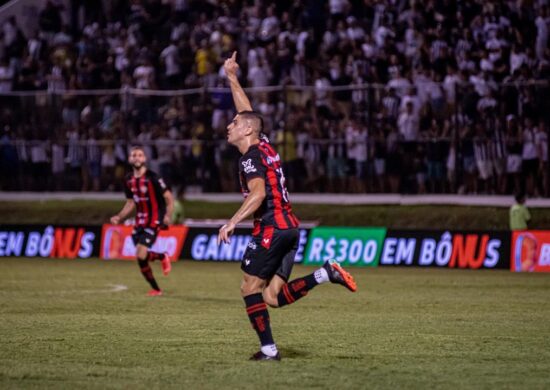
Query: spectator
[
  {"x": 172, "y": 72},
  {"x": 541, "y": 143},
  {"x": 529, "y": 156},
  {"x": 6, "y": 76},
  {"x": 408, "y": 123},
  {"x": 356, "y": 143},
  {"x": 519, "y": 214},
  {"x": 420, "y": 53},
  {"x": 514, "y": 151}
]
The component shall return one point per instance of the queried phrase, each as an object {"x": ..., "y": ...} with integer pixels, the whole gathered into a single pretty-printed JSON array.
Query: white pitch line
[
  {"x": 117, "y": 287},
  {"x": 111, "y": 288}
]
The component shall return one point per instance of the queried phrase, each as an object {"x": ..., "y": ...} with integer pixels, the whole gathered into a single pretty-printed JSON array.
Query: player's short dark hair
[
  {"x": 137, "y": 147},
  {"x": 520, "y": 196},
  {"x": 255, "y": 120}
]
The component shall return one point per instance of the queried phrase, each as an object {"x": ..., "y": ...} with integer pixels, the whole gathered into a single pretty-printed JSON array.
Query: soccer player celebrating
[
  {"x": 268, "y": 260},
  {"x": 153, "y": 199}
]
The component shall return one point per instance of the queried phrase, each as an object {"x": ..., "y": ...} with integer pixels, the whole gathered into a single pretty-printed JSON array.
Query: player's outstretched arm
[
  {"x": 128, "y": 209},
  {"x": 239, "y": 97},
  {"x": 252, "y": 202}
]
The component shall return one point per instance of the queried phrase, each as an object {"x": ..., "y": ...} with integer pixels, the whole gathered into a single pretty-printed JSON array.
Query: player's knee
[
  {"x": 249, "y": 287},
  {"x": 142, "y": 262},
  {"x": 248, "y": 290}
]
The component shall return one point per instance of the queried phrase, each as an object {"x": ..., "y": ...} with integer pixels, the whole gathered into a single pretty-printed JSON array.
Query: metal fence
[{"x": 332, "y": 139}]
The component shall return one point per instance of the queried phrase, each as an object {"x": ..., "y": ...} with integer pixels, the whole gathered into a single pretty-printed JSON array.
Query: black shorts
[
  {"x": 271, "y": 253},
  {"x": 144, "y": 235}
]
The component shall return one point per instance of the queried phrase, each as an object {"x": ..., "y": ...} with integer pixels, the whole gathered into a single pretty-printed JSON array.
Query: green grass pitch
[{"x": 63, "y": 324}]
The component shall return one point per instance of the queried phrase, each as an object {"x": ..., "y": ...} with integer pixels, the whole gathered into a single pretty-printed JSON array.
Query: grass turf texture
[
  {"x": 420, "y": 217},
  {"x": 63, "y": 327}
]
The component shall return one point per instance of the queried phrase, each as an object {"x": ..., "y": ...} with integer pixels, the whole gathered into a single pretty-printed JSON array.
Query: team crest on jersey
[{"x": 248, "y": 167}]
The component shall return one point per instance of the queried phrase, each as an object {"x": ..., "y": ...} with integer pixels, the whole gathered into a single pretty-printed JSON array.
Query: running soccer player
[
  {"x": 153, "y": 199},
  {"x": 269, "y": 257}
]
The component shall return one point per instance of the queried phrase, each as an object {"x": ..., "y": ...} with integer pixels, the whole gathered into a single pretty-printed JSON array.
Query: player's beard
[{"x": 137, "y": 166}]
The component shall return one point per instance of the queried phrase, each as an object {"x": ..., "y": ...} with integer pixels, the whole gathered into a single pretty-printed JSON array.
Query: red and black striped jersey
[
  {"x": 147, "y": 192},
  {"x": 261, "y": 160}
]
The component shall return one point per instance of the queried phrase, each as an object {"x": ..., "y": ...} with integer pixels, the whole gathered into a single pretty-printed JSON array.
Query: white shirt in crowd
[
  {"x": 58, "y": 158},
  {"x": 541, "y": 141},
  {"x": 449, "y": 85},
  {"x": 516, "y": 60},
  {"x": 529, "y": 151},
  {"x": 408, "y": 126},
  {"x": 38, "y": 153},
  {"x": 170, "y": 58},
  {"x": 6, "y": 78},
  {"x": 269, "y": 27},
  {"x": 56, "y": 80},
  {"x": 355, "y": 33},
  {"x": 121, "y": 60},
  {"x": 321, "y": 94},
  {"x": 143, "y": 75},
  {"x": 542, "y": 35},
  {"x": 259, "y": 76},
  {"x": 433, "y": 90},
  {"x": 356, "y": 140},
  {"x": 416, "y": 103},
  {"x": 481, "y": 85},
  {"x": 381, "y": 34},
  {"x": 10, "y": 33},
  {"x": 413, "y": 42},
  {"x": 337, "y": 6},
  {"x": 165, "y": 149},
  {"x": 400, "y": 84}
]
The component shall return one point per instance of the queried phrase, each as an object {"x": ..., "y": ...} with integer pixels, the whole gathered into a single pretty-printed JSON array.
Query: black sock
[
  {"x": 298, "y": 288},
  {"x": 259, "y": 317},
  {"x": 147, "y": 273},
  {"x": 152, "y": 256}
]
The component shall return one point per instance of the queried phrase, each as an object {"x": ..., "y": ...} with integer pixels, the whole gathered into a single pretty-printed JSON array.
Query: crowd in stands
[{"x": 372, "y": 95}]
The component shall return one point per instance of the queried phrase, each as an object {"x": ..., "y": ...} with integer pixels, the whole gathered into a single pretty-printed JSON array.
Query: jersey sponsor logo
[
  {"x": 143, "y": 189},
  {"x": 247, "y": 262},
  {"x": 266, "y": 240},
  {"x": 252, "y": 245},
  {"x": 248, "y": 166}
]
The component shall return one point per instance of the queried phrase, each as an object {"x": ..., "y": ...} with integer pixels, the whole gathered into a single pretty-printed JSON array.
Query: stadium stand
[{"x": 361, "y": 96}]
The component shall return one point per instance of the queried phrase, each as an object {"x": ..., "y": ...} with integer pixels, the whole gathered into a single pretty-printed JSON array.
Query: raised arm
[{"x": 239, "y": 97}]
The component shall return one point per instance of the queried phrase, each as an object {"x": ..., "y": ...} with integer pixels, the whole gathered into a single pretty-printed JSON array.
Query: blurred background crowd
[{"x": 358, "y": 96}]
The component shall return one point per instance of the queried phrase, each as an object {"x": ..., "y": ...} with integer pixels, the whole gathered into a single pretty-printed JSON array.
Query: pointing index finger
[{"x": 234, "y": 56}]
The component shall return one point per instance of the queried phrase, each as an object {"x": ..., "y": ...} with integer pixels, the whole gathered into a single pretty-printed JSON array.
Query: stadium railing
[{"x": 191, "y": 125}]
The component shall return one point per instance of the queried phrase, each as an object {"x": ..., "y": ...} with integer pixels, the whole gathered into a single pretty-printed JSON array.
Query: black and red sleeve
[
  {"x": 162, "y": 185},
  {"x": 252, "y": 165},
  {"x": 127, "y": 189}
]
